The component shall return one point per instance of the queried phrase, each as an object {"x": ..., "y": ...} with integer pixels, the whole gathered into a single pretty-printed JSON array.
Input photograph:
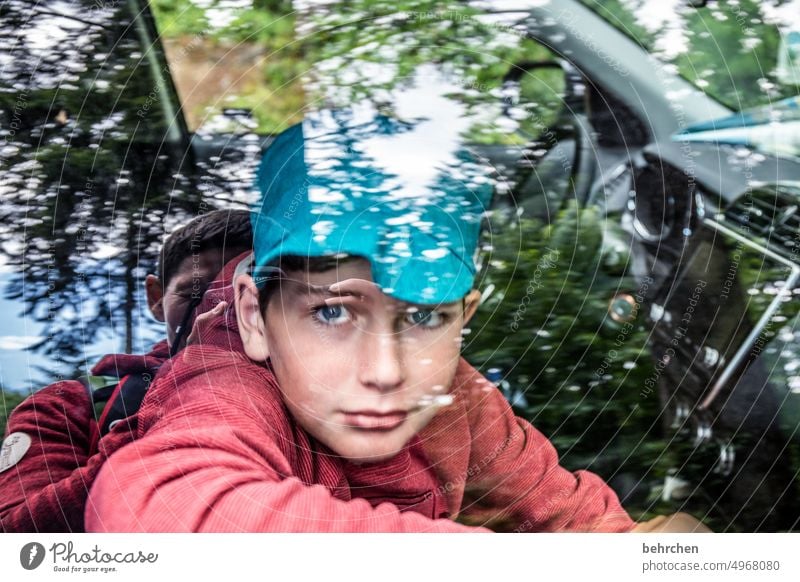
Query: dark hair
[
  {"x": 296, "y": 264},
  {"x": 219, "y": 229},
  {"x": 293, "y": 264}
]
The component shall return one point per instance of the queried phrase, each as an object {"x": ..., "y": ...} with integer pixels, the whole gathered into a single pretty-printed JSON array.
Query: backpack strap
[
  {"x": 114, "y": 399},
  {"x": 98, "y": 390}
]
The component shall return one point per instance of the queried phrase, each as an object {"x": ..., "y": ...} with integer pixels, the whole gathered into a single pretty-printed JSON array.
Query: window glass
[
  {"x": 743, "y": 53},
  {"x": 90, "y": 167}
]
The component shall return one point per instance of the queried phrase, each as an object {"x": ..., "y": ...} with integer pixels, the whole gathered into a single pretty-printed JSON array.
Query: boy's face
[
  {"x": 359, "y": 370},
  {"x": 194, "y": 274}
]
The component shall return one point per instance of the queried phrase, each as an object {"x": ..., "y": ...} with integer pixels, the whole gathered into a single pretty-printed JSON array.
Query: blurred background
[{"x": 122, "y": 119}]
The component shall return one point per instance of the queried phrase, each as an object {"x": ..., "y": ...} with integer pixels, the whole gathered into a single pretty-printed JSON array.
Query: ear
[
  {"x": 249, "y": 318},
  {"x": 155, "y": 296},
  {"x": 471, "y": 303}
]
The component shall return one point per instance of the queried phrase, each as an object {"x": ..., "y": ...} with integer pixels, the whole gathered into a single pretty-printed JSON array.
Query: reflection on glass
[
  {"x": 731, "y": 50},
  {"x": 725, "y": 354}
]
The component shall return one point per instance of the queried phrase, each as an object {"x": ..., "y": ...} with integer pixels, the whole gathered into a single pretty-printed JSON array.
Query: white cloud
[{"x": 18, "y": 342}]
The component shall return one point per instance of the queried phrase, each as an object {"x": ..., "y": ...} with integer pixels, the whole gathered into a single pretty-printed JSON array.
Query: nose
[{"x": 382, "y": 366}]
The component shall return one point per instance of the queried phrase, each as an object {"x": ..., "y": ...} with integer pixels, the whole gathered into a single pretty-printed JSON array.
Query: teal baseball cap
[{"x": 347, "y": 184}]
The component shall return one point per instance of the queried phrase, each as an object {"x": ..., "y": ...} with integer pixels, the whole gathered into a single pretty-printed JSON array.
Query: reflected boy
[{"x": 346, "y": 406}]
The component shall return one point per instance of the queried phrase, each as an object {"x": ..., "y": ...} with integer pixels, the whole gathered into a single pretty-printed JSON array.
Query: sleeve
[
  {"x": 208, "y": 461},
  {"x": 45, "y": 491},
  {"x": 514, "y": 481}
]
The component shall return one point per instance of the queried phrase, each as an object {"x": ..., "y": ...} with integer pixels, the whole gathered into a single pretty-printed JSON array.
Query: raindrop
[
  {"x": 656, "y": 312},
  {"x": 434, "y": 253},
  {"x": 443, "y": 400}
]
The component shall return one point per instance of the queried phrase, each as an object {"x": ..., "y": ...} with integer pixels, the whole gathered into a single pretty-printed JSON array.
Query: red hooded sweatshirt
[
  {"x": 217, "y": 450},
  {"x": 46, "y": 490}
]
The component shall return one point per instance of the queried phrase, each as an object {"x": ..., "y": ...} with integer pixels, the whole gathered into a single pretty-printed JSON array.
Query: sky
[{"x": 18, "y": 365}]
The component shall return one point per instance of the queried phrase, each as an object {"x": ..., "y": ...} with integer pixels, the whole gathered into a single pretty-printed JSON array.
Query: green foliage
[
  {"x": 731, "y": 52},
  {"x": 547, "y": 325},
  {"x": 179, "y": 17},
  {"x": 93, "y": 166},
  {"x": 268, "y": 26},
  {"x": 342, "y": 52},
  {"x": 731, "y": 48},
  {"x": 8, "y": 401},
  {"x": 619, "y": 13}
]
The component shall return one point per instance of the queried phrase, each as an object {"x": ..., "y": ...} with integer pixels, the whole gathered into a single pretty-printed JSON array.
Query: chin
[
  {"x": 369, "y": 452},
  {"x": 365, "y": 460}
]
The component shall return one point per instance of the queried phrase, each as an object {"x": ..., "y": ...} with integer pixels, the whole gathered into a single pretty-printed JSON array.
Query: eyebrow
[{"x": 324, "y": 290}]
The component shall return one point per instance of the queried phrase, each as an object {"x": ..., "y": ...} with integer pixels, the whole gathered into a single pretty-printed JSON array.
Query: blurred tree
[
  {"x": 732, "y": 54},
  {"x": 727, "y": 49},
  {"x": 96, "y": 163},
  {"x": 548, "y": 326},
  {"x": 89, "y": 171},
  {"x": 339, "y": 53}
]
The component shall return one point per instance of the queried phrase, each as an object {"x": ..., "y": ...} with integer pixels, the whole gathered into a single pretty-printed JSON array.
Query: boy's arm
[
  {"x": 46, "y": 489},
  {"x": 676, "y": 523},
  {"x": 209, "y": 461},
  {"x": 515, "y": 482}
]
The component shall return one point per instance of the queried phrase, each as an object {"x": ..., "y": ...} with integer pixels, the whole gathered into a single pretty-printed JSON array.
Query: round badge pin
[{"x": 13, "y": 449}]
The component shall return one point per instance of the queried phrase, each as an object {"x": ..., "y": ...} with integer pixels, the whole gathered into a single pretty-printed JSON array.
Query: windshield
[
  {"x": 743, "y": 53},
  {"x": 143, "y": 115}
]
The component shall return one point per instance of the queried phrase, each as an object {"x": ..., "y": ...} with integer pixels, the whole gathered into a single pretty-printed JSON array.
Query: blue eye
[
  {"x": 426, "y": 318},
  {"x": 332, "y": 314}
]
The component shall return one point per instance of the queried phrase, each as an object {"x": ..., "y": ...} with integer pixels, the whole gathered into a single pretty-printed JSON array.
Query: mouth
[{"x": 372, "y": 420}]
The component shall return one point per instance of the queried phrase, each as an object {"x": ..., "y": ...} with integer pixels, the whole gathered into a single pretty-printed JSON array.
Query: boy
[
  {"x": 342, "y": 403},
  {"x": 46, "y": 488}
]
